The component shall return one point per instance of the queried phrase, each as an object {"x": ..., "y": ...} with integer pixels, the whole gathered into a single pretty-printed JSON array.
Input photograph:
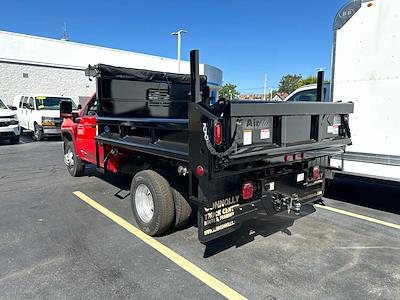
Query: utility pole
[{"x": 179, "y": 34}]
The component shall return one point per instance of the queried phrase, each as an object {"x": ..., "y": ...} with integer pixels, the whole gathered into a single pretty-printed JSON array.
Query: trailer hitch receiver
[{"x": 292, "y": 203}]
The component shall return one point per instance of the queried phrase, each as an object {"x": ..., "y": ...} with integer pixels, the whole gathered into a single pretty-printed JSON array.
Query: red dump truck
[{"x": 225, "y": 161}]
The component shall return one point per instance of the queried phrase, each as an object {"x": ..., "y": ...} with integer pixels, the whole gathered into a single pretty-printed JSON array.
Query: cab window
[
  {"x": 31, "y": 103},
  {"x": 25, "y": 102},
  {"x": 305, "y": 96},
  {"x": 91, "y": 110}
]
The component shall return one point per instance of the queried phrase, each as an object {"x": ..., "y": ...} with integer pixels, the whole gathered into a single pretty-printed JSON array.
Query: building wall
[
  {"x": 43, "y": 80},
  {"x": 56, "y": 67}
]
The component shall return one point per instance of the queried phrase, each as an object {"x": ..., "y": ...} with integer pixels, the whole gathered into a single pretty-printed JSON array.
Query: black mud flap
[{"x": 223, "y": 217}]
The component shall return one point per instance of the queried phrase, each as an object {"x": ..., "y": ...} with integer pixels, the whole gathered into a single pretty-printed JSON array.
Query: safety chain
[{"x": 211, "y": 148}]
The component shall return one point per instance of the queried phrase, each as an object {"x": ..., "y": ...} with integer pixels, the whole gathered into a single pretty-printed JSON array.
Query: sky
[{"x": 245, "y": 39}]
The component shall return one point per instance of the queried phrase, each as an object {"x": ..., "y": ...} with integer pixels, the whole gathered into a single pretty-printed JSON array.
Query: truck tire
[
  {"x": 183, "y": 210},
  {"x": 37, "y": 133},
  {"x": 152, "y": 202},
  {"x": 74, "y": 164}
]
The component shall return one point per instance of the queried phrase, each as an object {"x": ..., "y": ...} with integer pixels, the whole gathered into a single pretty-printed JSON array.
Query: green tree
[
  {"x": 289, "y": 83},
  {"x": 228, "y": 91},
  {"x": 309, "y": 80}
]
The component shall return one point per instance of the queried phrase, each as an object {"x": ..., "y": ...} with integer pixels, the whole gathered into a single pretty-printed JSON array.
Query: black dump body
[
  {"x": 167, "y": 118},
  {"x": 143, "y": 109}
]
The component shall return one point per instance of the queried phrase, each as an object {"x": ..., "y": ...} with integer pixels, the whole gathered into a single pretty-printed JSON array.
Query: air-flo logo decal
[
  {"x": 257, "y": 123},
  {"x": 221, "y": 210}
]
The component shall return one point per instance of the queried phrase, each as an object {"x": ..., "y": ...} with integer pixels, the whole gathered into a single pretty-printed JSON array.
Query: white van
[
  {"x": 40, "y": 113},
  {"x": 9, "y": 127}
]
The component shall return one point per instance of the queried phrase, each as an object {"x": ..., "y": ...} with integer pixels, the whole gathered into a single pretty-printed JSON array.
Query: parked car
[
  {"x": 308, "y": 93},
  {"x": 9, "y": 126},
  {"x": 40, "y": 113}
]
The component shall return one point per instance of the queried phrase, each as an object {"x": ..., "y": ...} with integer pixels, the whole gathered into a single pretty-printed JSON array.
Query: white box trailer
[{"x": 366, "y": 71}]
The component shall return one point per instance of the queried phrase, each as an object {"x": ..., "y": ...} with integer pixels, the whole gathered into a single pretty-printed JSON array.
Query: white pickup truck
[{"x": 9, "y": 126}]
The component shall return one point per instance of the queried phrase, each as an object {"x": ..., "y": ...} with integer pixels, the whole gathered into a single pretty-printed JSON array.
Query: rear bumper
[
  {"x": 227, "y": 214},
  {"x": 10, "y": 132}
]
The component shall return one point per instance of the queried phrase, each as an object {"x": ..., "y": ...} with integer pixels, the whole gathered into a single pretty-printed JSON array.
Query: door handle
[{"x": 93, "y": 125}]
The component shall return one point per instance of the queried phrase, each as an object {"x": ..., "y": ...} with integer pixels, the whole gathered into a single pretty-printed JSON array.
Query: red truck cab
[{"x": 78, "y": 131}]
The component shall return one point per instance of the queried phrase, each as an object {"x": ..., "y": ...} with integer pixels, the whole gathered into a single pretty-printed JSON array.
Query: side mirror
[
  {"x": 12, "y": 107},
  {"x": 79, "y": 106},
  {"x": 66, "y": 109}
]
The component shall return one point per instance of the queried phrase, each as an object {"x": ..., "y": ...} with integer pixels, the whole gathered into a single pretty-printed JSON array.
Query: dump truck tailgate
[{"x": 273, "y": 128}]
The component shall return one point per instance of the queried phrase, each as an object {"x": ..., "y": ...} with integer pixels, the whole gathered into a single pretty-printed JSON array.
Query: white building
[{"x": 37, "y": 65}]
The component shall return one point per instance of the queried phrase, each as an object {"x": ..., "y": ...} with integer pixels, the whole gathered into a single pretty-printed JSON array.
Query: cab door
[
  {"x": 23, "y": 112},
  {"x": 87, "y": 131},
  {"x": 30, "y": 114}
]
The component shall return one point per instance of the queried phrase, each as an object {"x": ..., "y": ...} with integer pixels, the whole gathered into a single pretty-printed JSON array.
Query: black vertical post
[
  {"x": 320, "y": 86},
  {"x": 195, "y": 95}
]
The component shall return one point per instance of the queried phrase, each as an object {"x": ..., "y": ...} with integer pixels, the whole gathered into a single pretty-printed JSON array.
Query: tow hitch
[{"x": 292, "y": 203}]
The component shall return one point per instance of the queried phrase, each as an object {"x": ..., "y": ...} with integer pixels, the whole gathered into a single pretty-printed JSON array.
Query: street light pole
[
  {"x": 179, "y": 34},
  {"x": 265, "y": 87}
]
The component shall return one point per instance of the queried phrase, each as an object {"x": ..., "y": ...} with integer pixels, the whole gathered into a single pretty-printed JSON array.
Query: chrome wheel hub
[
  {"x": 144, "y": 203},
  {"x": 69, "y": 158}
]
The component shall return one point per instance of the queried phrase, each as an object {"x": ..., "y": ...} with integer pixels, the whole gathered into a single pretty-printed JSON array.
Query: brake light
[
  {"x": 218, "y": 134},
  {"x": 316, "y": 175},
  {"x": 247, "y": 190}
]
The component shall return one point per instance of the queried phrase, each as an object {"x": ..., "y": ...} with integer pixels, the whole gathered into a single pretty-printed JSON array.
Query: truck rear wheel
[
  {"x": 74, "y": 164},
  {"x": 183, "y": 210},
  {"x": 152, "y": 202}
]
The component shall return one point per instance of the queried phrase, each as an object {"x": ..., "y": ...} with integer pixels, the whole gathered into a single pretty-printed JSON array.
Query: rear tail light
[
  {"x": 200, "y": 170},
  {"x": 218, "y": 134},
  {"x": 316, "y": 174},
  {"x": 295, "y": 156},
  {"x": 247, "y": 190},
  {"x": 286, "y": 158}
]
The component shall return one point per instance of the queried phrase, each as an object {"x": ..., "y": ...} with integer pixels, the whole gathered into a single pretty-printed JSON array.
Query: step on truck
[{"x": 225, "y": 162}]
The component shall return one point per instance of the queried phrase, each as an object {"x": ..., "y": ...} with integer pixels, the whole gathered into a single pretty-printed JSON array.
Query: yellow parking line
[
  {"x": 358, "y": 216},
  {"x": 203, "y": 276}
]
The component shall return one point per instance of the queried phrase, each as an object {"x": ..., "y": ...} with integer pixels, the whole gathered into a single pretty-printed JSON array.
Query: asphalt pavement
[{"x": 54, "y": 245}]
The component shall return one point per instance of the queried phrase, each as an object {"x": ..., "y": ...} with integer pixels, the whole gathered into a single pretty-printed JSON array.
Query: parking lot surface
[{"x": 54, "y": 245}]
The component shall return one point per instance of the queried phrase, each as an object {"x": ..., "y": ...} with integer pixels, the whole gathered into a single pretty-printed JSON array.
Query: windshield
[
  {"x": 2, "y": 105},
  {"x": 51, "y": 103}
]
